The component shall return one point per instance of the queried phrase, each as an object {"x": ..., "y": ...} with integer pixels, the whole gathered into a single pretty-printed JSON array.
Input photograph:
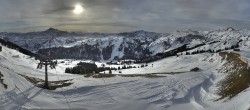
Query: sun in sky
[{"x": 78, "y": 9}]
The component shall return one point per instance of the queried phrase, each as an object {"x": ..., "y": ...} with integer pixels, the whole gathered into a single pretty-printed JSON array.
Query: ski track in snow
[{"x": 188, "y": 90}]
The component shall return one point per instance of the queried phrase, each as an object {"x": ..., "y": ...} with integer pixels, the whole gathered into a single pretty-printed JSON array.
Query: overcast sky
[{"x": 123, "y": 15}]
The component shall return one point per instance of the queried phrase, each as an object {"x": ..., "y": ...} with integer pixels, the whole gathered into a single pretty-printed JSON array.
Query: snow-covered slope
[{"x": 183, "y": 90}]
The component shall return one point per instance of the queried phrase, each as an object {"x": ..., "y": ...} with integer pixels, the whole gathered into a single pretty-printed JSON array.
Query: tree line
[{"x": 88, "y": 69}]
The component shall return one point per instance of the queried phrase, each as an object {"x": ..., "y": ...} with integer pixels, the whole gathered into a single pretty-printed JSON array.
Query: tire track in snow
[{"x": 22, "y": 94}]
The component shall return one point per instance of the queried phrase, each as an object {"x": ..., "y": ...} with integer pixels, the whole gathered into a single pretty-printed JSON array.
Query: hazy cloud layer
[{"x": 123, "y": 15}]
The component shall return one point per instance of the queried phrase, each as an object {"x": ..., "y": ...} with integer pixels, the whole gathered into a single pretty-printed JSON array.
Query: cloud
[
  {"x": 124, "y": 15},
  {"x": 211, "y": 8}
]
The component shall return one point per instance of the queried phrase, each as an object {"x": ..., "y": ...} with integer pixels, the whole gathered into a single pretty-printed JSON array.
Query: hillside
[
  {"x": 177, "y": 88},
  {"x": 129, "y": 45}
]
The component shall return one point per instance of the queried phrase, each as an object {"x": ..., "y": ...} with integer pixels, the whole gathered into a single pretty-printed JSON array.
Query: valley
[{"x": 201, "y": 81}]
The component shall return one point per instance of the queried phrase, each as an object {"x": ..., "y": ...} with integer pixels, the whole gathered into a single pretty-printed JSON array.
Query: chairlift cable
[{"x": 63, "y": 91}]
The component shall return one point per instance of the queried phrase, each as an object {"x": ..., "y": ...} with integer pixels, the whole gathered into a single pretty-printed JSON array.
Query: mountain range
[{"x": 127, "y": 45}]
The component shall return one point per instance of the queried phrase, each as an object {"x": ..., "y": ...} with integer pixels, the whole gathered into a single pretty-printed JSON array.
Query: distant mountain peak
[
  {"x": 51, "y": 29},
  {"x": 228, "y": 29},
  {"x": 140, "y": 31},
  {"x": 54, "y": 32}
]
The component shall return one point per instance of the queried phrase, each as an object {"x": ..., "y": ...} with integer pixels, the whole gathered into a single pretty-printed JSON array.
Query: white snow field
[{"x": 181, "y": 91}]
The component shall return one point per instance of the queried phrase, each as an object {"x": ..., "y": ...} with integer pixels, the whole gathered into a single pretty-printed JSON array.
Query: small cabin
[
  {"x": 129, "y": 61},
  {"x": 237, "y": 49},
  {"x": 113, "y": 62}
]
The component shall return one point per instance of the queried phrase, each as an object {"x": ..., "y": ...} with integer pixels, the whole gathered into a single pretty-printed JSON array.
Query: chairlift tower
[{"x": 46, "y": 62}]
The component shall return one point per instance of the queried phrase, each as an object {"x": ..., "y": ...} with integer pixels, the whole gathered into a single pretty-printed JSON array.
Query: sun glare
[{"x": 78, "y": 9}]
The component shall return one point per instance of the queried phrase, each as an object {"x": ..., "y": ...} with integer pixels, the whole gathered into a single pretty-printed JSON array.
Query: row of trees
[
  {"x": 18, "y": 48},
  {"x": 89, "y": 68},
  {"x": 84, "y": 68},
  {"x": 185, "y": 48},
  {"x": 212, "y": 51}
]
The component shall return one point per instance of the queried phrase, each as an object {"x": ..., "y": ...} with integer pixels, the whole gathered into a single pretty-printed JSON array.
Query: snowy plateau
[{"x": 221, "y": 83}]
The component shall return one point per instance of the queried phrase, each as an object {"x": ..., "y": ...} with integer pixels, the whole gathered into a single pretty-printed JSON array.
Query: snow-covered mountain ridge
[{"x": 129, "y": 45}]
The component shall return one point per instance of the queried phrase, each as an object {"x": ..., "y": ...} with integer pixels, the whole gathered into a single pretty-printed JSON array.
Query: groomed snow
[{"x": 187, "y": 90}]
